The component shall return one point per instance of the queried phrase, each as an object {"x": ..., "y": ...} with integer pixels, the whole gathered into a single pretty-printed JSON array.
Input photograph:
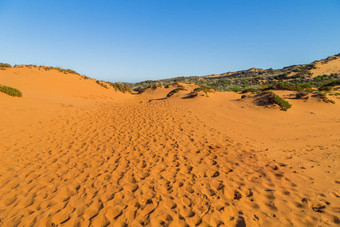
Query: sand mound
[
  {"x": 45, "y": 92},
  {"x": 116, "y": 159},
  {"x": 37, "y": 82},
  {"x": 327, "y": 66}
]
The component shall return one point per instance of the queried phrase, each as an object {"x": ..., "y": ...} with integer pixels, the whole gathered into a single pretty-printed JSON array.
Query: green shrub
[
  {"x": 270, "y": 71},
  {"x": 301, "y": 95},
  {"x": 253, "y": 81},
  {"x": 70, "y": 71},
  {"x": 102, "y": 84},
  {"x": 47, "y": 68},
  {"x": 252, "y": 90},
  {"x": 267, "y": 98},
  {"x": 290, "y": 86},
  {"x": 140, "y": 90},
  {"x": 205, "y": 89},
  {"x": 328, "y": 85},
  {"x": 284, "y": 105},
  {"x": 66, "y": 71},
  {"x": 235, "y": 88},
  {"x": 10, "y": 91},
  {"x": 323, "y": 77},
  {"x": 192, "y": 94},
  {"x": 326, "y": 88},
  {"x": 122, "y": 87},
  {"x": 171, "y": 93},
  {"x": 5, "y": 65},
  {"x": 333, "y": 83},
  {"x": 323, "y": 97}
]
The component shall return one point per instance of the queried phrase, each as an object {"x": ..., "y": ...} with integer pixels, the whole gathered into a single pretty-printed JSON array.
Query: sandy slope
[
  {"x": 326, "y": 68},
  {"x": 73, "y": 152}
]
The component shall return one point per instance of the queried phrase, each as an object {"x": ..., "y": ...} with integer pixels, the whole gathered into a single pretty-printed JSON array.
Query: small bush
[
  {"x": 331, "y": 84},
  {"x": 235, "y": 88},
  {"x": 252, "y": 90},
  {"x": 290, "y": 86},
  {"x": 243, "y": 96},
  {"x": 122, "y": 87},
  {"x": 267, "y": 98},
  {"x": 301, "y": 95},
  {"x": 192, "y": 94},
  {"x": 284, "y": 105},
  {"x": 323, "y": 97},
  {"x": 10, "y": 91},
  {"x": 326, "y": 88},
  {"x": 66, "y": 71},
  {"x": 70, "y": 71},
  {"x": 102, "y": 84},
  {"x": 171, "y": 93},
  {"x": 5, "y": 65},
  {"x": 206, "y": 89},
  {"x": 323, "y": 77},
  {"x": 140, "y": 90}
]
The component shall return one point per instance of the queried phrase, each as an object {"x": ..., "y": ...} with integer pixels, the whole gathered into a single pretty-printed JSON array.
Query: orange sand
[
  {"x": 327, "y": 68},
  {"x": 73, "y": 152}
]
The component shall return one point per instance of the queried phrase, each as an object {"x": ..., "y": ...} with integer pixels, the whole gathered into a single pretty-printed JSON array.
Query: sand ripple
[{"x": 146, "y": 164}]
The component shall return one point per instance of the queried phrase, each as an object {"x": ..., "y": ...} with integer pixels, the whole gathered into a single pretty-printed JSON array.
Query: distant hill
[{"x": 317, "y": 73}]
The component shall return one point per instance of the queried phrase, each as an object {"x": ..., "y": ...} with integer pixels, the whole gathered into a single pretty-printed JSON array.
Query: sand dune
[
  {"x": 327, "y": 66},
  {"x": 73, "y": 153}
]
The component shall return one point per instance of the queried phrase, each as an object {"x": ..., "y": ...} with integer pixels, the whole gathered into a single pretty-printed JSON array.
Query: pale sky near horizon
[{"x": 133, "y": 40}]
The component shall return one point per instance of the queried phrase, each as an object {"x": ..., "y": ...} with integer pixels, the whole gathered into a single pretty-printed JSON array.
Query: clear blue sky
[{"x": 134, "y": 40}]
